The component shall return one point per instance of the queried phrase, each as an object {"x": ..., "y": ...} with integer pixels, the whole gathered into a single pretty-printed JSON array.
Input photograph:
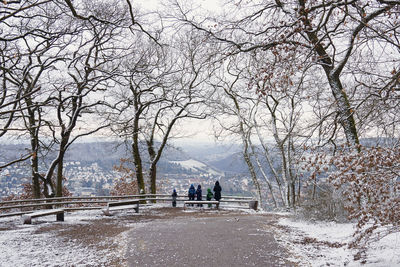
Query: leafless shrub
[{"x": 327, "y": 205}]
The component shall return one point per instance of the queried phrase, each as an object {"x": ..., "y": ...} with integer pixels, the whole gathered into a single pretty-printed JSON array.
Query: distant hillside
[
  {"x": 232, "y": 163},
  {"x": 88, "y": 168},
  {"x": 106, "y": 154},
  {"x": 210, "y": 152},
  {"x": 190, "y": 159},
  {"x": 197, "y": 167}
]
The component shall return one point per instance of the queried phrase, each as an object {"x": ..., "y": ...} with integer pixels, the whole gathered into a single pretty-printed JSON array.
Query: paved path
[{"x": 234, "y": 240}]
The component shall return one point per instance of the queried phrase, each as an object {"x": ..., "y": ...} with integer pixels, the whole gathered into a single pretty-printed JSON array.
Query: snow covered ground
[
  {"x": 24, "y": 245},
  {"x": 325, "y": 244},
  {"x": 310, "y": 244}
]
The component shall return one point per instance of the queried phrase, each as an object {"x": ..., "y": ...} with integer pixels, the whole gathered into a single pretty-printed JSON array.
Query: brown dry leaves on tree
[
  {"x": 368, "y": 179},
  {"x": 370, "y": 182},
  {"x": 27, "y": 192},
  {"x": 126, "y": 184}
]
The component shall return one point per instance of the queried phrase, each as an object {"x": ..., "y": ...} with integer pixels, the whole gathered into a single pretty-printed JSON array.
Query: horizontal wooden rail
[
  {"x": 237, "y": 197},
  {"x": 72, "y": 197},
  {"x": 105, "y": 197},
  {"x": 52, "y": 204},
  {"x": 234, "y": 207},
  {"x": 237, "y": 201},
  {"x": 46, "y": 202},
  {"x": 186, "y": 199},
  {"x": 85, "y": 208},
  {"x": 9, "y": 214}
]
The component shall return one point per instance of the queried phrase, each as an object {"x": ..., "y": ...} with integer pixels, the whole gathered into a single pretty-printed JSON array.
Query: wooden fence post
[{"x": 253, "y": 204}]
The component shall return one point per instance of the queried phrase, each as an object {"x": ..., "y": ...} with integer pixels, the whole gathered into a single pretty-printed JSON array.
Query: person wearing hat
[
  {"x": 192, "y": 193},
  {"x": 174, "y": 196},
  {"x": 217, "y": 192},
  {"x": 199, "y": 195}
]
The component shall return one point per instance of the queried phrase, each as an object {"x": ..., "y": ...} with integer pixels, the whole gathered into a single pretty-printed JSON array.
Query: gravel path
[
  {"x": 156, "y": 236},
  {"x": 218, "y": 240}
]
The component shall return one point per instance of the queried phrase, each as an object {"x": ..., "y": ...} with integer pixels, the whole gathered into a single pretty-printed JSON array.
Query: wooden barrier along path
[
  {"x": 48, "y": 206},
  {"x": 119, "y": 205}
]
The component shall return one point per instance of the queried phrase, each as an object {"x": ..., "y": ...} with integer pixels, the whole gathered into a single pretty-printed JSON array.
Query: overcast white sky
[
  {"x": 197, "y": 131},
  {"x": 211, "y": 5}
]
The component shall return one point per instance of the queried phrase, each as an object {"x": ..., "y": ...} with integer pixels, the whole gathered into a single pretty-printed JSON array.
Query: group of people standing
[{"x": 198, "y": 194}]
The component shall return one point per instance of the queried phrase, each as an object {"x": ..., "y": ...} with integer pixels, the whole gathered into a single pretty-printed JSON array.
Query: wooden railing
[{"x": 7, "y": 208}]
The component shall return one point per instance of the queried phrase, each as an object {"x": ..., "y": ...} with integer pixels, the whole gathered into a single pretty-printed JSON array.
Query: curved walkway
[{"x": 226, "y": 240}]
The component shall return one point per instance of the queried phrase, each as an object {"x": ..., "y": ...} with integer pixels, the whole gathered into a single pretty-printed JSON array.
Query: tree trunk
[
  {"x": 35, "y": 167},
  {"x": 293, "y": 184},
  {"x": 292, "y": 177},
  {"x": 298, "y": 190},
  {"x": 48, "y": 187},
  {"x": 253, "y": 174},
  {"x": 346, "y": 118},
  {"x": 59, "y": 183},
  {"x": 259, "y": 165},
  {"x": 138, "y": 165},
  {"x": 345, "y": 113},
  {"x": 137, "y": 160},
  {"x": 153, "y": 178},
  {"x": 153, "y": 166},
  {"x": 245, "y": 137},
  {"x": 284, "y": 170},
  {"x": 60, "y": 164},
  {"x": 33, "y": 132},
  {"x": 35, "y": 185},
  {"x": 271, "y": 166}
]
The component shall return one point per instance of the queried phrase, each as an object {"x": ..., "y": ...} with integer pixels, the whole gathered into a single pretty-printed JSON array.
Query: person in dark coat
[
  {"x": 192, "y": 193},
  {"x": 199, "y": 195},
  {"x": 209, "y": 196},
  {"x": 217, "y": 191},
  {"x": 174, "y": 196}
]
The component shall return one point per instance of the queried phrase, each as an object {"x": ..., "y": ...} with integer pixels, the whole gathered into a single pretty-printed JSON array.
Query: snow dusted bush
[
  {"x": 326, "y": 205},
  {"x": 321, "y": 200},
  {"x": 370, "y": 182}
]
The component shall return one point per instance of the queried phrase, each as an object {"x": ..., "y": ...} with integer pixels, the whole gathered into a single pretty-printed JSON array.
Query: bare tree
[
  {"x": 331, "y": 35},
  {"x": 77, "y": 95},
  {"x": 163, "y": 85},
  {"x": 269, "y": 117},
  {"x": 30, "y": 55},
  {"x": 11, "y": 36},
  {"x": 59, "y": 68},
  {"x": 233, "y": 108}
]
